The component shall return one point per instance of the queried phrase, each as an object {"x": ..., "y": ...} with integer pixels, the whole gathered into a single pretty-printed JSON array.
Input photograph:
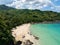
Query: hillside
[{"x": 11, "y": 17}]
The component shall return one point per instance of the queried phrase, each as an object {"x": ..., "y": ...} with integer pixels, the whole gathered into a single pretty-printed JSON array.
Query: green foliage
[{"x": 10, "y": 18}]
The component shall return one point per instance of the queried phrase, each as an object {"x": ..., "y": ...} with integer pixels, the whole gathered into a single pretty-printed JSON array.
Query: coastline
[
  {"x": 47, "y": 22},
  {"x": 22, "y": 33}
]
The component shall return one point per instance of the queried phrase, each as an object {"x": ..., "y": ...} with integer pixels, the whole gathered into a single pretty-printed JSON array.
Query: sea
[{"x": 49, "y": 34}]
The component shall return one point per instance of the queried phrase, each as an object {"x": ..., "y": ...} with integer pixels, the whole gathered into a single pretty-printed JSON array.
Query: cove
[{"x": 49, "y": 34}]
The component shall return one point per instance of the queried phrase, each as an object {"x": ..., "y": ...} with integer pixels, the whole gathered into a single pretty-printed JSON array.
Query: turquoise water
[{"x": 49, "y": 34}]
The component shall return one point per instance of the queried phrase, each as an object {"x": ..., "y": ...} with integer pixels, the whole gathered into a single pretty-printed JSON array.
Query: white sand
[{"x": 23, "y": 30}]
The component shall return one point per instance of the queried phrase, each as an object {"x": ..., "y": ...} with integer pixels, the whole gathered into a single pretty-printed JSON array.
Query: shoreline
[
  {"x": 46, "y": 22},
  {"x": 22, "y": 33}
]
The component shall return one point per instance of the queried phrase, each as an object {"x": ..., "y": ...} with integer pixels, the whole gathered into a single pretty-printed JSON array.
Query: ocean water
[{"x": 49, "y": 34}]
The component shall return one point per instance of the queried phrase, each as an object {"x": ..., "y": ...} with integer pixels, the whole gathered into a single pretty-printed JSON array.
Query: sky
[{"x": 53, "y": 5}]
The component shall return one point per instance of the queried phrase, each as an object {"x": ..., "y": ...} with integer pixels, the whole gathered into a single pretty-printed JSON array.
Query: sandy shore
[{"x": 22, "y": 33}]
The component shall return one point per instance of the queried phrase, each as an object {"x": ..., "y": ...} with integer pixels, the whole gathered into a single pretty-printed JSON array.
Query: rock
[
  {"x": 36, "y": 37},
  {"x": 19, "y": 43},
  {"x": 23, "y": 37},
  {"x": 28, "y": 42}
]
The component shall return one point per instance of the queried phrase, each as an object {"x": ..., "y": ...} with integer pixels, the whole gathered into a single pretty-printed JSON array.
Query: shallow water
[{"x": 49, "y": 34}]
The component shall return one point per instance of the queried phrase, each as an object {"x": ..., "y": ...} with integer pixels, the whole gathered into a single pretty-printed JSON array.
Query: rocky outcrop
[
  {"x": 28, "y": 42},
  {"x": 18, "y": 43}
]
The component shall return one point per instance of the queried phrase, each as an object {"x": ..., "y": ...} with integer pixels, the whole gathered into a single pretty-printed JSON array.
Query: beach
[{"x": 22, "y": 33}]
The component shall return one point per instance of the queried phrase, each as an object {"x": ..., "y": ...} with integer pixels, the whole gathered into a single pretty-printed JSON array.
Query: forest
[{"x": 11, "y": 17}]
